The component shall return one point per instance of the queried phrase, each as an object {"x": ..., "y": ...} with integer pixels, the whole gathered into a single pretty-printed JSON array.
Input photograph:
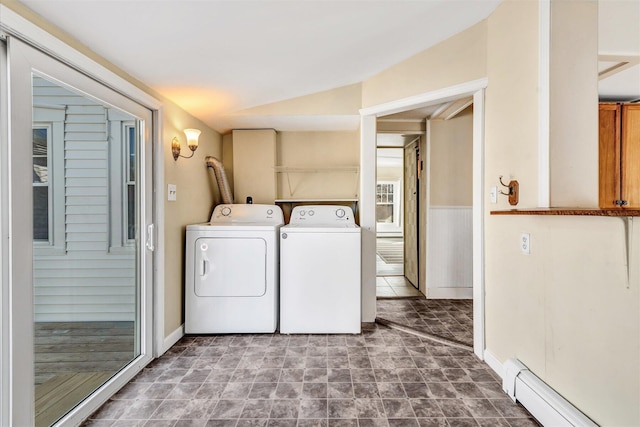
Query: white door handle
[{"x": 150, "y": 240}]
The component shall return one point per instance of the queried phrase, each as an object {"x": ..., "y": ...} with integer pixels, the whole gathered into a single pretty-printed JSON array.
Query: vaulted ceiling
[{"x": 215, "y": 58}]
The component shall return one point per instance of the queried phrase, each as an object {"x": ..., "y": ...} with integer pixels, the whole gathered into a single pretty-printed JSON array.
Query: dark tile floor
[
  {"x": 383, "y": 377},
  {"x": 449, "y": 319}
]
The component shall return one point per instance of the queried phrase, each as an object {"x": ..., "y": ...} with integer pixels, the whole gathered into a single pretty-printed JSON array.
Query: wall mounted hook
[{"x": 513, "y": 187}]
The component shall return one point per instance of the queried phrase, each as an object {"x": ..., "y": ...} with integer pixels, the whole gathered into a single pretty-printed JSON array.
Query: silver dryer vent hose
[{"x": 221, "y": 179}]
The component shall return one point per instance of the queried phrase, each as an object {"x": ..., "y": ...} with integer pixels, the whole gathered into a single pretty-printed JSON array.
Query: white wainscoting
[{"x": 450, "y": 252}]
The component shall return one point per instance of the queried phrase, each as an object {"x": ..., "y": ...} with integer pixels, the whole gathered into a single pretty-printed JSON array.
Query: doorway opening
[
  {"x": 449, "y": 210},
  {"x": 397, "y": 211},
  {"x": 436, "y": 210}
]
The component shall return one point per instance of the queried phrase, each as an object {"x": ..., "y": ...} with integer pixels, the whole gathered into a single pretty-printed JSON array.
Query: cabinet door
[
  {"x": 609, "y": 152},
  {"x": 631, "y": 154}
]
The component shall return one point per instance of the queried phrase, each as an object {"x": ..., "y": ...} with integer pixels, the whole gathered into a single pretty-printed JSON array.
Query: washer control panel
[
  {"x": 322, "y": 214},
  {"x": 270, "y": 214}
]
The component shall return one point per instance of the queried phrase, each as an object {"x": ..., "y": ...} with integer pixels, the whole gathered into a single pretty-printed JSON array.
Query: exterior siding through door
[{"x": 84, "y": 275}]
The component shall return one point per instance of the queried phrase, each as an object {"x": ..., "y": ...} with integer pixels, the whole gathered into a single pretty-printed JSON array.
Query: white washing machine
[
  {"x": 231, "y": 272},
  {"x": 320, "y": 271}
]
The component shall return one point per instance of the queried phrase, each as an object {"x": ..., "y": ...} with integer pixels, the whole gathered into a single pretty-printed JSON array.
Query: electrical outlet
[
  {"x": 172, "y": 192},
  {"x": 525, "y": 243}
]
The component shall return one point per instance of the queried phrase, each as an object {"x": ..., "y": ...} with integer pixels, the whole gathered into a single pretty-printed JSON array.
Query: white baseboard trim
[
  {"x": 494, "y": 363},
  {"x": 450, "y": 293},
  {"x": 171, "y": 339}
]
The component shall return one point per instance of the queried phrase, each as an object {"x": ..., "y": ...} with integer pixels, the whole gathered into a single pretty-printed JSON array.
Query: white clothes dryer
[
  {"x": 231, "y": 272},
  {"x": 320, "y": 271}
]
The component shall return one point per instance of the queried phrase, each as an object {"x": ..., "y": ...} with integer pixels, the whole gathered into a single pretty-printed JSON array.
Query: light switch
[
  {"x": 172, "y": 192},
  {"x": 494, "y": 194}
]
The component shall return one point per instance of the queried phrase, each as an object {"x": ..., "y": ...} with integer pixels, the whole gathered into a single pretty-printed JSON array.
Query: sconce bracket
[
  {"x": 513, "y": 192},
  {"x": 513, "y": 187}
]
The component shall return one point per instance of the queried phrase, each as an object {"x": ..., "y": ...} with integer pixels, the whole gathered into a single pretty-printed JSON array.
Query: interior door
[
  {"x": 411, "y": 213},
  {"x": 79, "y": 156}
]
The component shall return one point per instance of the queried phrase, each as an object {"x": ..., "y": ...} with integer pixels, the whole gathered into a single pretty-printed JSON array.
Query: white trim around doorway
[{"x": 368, "y": 118}]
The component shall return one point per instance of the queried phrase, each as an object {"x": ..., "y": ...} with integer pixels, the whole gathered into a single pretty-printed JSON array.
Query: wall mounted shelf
[
  {"x": 288, "y": 170},
  {"x": 619, "y": 212}
]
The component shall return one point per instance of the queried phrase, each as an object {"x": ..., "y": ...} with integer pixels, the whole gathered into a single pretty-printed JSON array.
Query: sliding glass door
[{"x": 81, "y": 274}]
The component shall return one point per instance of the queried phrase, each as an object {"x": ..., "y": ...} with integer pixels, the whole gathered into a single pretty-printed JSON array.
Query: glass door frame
[{"x": 17, "y": 339}]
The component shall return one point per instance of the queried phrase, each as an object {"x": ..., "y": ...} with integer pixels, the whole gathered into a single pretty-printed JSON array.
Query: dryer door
[{"x": 230, "y": 267}]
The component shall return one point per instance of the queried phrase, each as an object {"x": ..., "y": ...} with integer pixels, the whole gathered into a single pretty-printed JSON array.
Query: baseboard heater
[{"x": 547, "y": 406}]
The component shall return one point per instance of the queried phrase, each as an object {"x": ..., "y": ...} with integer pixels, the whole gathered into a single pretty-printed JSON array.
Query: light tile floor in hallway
[
  {"x": 383, "y": 377},
  {"x": 395, "y": 286},
  {"x": 389, "y": 256}
]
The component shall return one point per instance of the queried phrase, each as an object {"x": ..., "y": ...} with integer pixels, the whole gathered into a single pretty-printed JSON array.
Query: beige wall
[
  {"x": 458, "y": 59},
  {"x": 197, "y": 192},
  {"x": 389, "y": 173},
  {"x": 451, "y": 155},
  {"x": 318, "y": 152},
  {"x": 345, "y": 100},
  {"x": 573, "y": 108},
  {"x": 511, "y": 114}
]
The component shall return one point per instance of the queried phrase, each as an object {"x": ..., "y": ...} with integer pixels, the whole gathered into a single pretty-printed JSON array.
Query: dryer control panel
[
  {"x": 238, "y": 213},
  {"x": 322, "y": 214}
]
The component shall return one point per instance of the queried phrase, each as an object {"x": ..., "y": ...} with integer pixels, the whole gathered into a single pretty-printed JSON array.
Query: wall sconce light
[{"x": 192, "y": 142}]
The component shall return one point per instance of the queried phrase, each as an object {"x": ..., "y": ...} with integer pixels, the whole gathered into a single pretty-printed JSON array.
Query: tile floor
[
  {"x": 395, "y": 286},
  {"x": 389, "y": 256},
  {"x": 383, "y": 377},
  {"x": 449, "y": 319}
]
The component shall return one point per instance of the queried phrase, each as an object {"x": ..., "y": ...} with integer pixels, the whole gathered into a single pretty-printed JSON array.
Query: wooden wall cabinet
[{"x": 619, "y": 155}]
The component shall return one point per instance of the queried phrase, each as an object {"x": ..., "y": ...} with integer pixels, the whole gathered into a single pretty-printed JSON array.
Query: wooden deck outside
[{"x": 72, "y": 359}]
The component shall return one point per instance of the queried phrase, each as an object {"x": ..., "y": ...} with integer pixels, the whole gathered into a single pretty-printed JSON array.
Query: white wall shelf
[{"x": 288, "y": 170}]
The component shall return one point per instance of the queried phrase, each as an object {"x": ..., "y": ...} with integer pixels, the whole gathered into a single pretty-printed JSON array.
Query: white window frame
[
  {"x": 396, "y": 225},
  {"x": 119, "y": 124},
  {"x": 126, "y": 180},
  {"x": 51, "y": 117}
]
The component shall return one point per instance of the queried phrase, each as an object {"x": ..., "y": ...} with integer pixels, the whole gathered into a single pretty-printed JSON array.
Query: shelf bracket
[{"x": 289, "y": 183}]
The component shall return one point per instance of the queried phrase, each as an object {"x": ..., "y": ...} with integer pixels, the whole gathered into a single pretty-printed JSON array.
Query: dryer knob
[
  {"x": 311, "y": 213},
  {"x": 226, "y": 211},
  {"x": 284, "y": 235},
  {"x": 340, "y": 213},
  {"x": 270, "y": 212}
]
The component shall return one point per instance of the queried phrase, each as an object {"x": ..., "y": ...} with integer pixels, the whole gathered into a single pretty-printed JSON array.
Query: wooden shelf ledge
[{"x": 621, "y": 212}]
